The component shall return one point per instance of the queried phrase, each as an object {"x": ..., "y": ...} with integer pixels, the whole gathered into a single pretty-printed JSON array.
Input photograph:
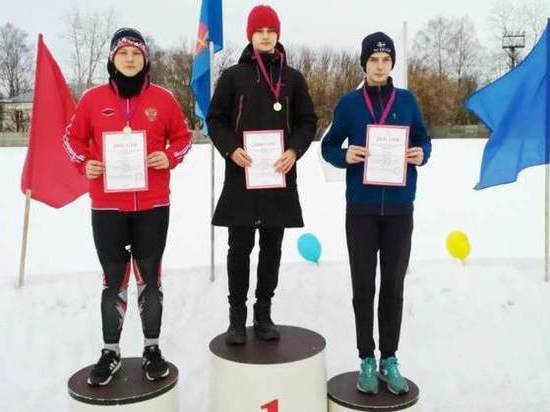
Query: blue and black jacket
[{"x": 350, "y": 121}]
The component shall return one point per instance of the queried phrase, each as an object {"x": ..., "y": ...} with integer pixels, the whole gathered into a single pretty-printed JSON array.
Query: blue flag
[
  {"x": 515, "y": 109},
  {"x": 210, "y": 30}
]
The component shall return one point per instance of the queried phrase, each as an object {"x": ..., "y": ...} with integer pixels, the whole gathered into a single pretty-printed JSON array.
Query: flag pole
[
  {"x": 546, "y": 225},
  {"x": 21, "y": 280},
  {"x": 547, "y": 182},
  {"x": 405, "y": 57},
  {"x": 212, "y": 173}
]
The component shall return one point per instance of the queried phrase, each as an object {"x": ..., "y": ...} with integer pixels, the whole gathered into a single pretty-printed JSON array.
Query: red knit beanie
[{"x": 262, "y": 16}]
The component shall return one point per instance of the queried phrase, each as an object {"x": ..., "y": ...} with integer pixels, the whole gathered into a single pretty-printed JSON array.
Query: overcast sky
[{"x": 334, "y": 23}]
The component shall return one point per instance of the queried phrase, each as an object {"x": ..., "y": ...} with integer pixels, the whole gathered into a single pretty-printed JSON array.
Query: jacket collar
[
  {"x": 247, "y": 56},
  {"x": 375, "y": 92}
]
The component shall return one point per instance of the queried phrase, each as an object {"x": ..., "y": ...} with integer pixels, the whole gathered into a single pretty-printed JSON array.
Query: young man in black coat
[{"x": 261, "y": 92}]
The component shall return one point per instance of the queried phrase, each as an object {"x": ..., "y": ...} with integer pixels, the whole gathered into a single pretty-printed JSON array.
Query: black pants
[
  {"x": 241, "y": 243},
  {"x": 366, "y": 236},
  {"x": 122, "y": 240}
]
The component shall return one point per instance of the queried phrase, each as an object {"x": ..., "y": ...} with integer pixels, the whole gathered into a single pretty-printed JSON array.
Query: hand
[
  {"x": 356, "y": 154},
  {"x": 158, "y": 161},
  {"x": 241, "y": 158},
  {"x": 94, "y": 169},
  {"x": 285, "y": 162},
  {"x": 415, "y": 155}
]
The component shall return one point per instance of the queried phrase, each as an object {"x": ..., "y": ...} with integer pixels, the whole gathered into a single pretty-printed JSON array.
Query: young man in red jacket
[{"x": 129, "y": 226}]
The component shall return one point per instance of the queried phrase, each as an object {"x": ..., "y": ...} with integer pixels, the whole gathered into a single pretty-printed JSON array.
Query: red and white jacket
[{"x": 154, "y": 110}]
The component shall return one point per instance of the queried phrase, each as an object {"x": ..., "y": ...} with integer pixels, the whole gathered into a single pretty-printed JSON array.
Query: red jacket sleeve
[
  {"x": 179, "y": 135},
  {"x": 77, "y": 135}
]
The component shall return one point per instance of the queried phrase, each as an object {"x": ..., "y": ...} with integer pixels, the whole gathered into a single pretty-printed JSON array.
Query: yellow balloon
[{"x": 458, "y": 245}]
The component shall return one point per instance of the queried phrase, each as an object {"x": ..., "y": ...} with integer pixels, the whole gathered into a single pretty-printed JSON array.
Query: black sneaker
[
  {"x": 154, "y": 364},
  {"x": 105, "y": 368}
]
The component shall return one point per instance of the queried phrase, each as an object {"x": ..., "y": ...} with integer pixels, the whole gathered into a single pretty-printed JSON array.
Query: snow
[{"x": 475, "y": 336}]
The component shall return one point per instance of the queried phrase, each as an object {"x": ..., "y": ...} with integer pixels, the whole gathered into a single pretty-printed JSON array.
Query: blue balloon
[{"x": 309, "y": 247}]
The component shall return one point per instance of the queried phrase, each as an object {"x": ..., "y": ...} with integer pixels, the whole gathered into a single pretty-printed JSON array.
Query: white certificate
[
  {"x": 125, "y": 160},
  {"x": 264, "y": 147},
  {"x": 386, "y": 163}
]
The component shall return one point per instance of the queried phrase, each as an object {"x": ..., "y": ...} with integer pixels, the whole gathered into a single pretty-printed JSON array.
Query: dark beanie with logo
[
  {"x": 377, "y": 43},
  {"x": 128, "y": 86}
]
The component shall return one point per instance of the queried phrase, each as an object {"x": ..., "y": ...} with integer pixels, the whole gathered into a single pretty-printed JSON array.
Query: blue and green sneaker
[
  {"x": 368, "y": 380},
  {"x": 389, "y": 373}
]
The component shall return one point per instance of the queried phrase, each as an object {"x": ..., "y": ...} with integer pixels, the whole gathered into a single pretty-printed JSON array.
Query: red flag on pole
[{"x": 48, "y": 173}]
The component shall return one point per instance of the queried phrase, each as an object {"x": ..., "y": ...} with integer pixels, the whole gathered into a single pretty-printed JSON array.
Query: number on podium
[{"x": 272, "y": 406}]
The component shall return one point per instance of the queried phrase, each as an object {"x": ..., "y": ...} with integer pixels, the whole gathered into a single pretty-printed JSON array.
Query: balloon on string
[
  {"x": 309, "y": 247},
  {"x": 458, "y": 245}
]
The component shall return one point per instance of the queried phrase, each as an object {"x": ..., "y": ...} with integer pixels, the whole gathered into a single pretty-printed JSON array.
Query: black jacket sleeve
[
  {"x": 304, "y": 118},
  {"x": 220, "y": 116}
]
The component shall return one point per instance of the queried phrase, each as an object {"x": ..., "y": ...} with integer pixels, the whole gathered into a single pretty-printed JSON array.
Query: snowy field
[{"x": 476, "y": 337}]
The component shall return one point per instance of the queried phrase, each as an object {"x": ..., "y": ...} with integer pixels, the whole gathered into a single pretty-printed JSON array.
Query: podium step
[
  {"x": 344, "y": 396},
  {"x": 274, "y": 376},
  {"x": 129, "y": 390}
]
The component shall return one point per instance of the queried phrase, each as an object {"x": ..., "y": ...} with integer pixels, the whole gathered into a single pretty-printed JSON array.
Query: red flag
[{"x": 48, "y": 172}]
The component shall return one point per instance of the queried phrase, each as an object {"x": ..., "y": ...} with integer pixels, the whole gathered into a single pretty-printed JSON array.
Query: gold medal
[
  {"x": 127, "y": 129},
  {"x": 277, "y": 106}
]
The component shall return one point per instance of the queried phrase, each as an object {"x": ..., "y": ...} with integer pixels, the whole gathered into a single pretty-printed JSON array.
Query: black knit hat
[
  {"x": 127, "y": 36},
  {"x": 128, "y": 86},
  {"x": 377, "y": 43}
]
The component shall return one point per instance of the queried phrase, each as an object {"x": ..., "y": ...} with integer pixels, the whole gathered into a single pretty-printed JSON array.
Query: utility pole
[{"x": 512, "y": 43}]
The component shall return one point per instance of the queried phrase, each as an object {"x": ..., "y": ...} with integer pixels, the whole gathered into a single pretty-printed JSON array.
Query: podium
[
  {"x": 287, "y": 375},
  {"x": 129, "y": 390},
  {"x": 344, "y": 397}
]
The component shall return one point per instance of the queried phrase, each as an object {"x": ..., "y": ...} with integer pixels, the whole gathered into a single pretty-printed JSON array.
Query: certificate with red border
[
  {"x": 264, "y": 147},
  {"x": 125, "y": 160},
  {"x": 386, "y": 164}
]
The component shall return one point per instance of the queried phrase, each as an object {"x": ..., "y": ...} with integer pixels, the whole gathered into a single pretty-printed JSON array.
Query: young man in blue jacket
[{"x": 379, "y": 219}]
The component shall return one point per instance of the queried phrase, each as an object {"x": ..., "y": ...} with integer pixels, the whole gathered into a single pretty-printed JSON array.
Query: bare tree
[
  {"x": 88, "y": 35},
  {"x": 20, "y": 120},
  {"x": 226, "y": 58},
  {"x": 1, "y": 114},
  {"x": 463, "y": 49},
  {"x": 171, "y": 68},
  {"x": 431, "y": 45},
  {"x": 15, "y": 61}
]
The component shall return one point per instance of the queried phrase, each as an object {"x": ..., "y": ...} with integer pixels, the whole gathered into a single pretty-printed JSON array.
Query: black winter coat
[{"x": 243, "y": 101}]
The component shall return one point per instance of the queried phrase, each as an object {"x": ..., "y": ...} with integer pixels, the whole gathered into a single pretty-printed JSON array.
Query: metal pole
[
  {"x": 405, "y": 56},
  {"x": 21, "y": 279},
  {"x": 212, "y": 175},
  {"x": 546, "y": 225}
]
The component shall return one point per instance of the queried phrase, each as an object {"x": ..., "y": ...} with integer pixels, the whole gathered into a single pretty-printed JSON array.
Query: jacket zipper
[
  {"x": 239, "y": 113},
  {"x": 381, "y": 111},
  {"x": 128, "y": 125}
]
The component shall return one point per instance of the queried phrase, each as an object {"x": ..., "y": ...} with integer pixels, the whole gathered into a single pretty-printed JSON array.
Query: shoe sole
[
  {"x": 364, "y": 391},
  {"x": 233, "y": 342},
  {"x": 164, "y": 375},
  {"x": 106, "y": 381},
  {"x": 381, "y": 377}
]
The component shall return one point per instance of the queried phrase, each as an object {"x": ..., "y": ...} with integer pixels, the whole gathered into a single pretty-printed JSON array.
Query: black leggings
[
  {"x": 366, "y": 236},
  {"x": 241, "y": 243},
  {"x": 123, "y": 240}
]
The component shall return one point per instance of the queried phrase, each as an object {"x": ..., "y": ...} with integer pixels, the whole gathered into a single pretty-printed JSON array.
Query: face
[
  {"x": 378, "y": 69},
  {"x": 129, "y": 61},
  {"x": 264, "y": 40}
]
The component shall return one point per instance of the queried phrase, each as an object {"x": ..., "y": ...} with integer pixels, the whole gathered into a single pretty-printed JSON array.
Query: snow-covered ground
[{"x": 475, "y": 337}]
